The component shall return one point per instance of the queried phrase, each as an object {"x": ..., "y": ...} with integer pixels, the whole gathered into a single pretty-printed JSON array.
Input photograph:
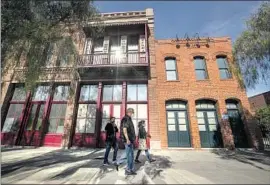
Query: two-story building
[{"x": 185, "y": 91}]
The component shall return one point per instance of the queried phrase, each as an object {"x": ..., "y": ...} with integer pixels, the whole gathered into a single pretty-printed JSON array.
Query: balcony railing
[{"x": 133, "y": 58}]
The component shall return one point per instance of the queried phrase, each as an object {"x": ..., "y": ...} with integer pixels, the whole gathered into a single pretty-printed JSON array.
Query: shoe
[
  {"x": 152, "y": 160},
  {"x": 133, "y": 173},
  {"x": 114, "y": 162},
  {"x": 106, "y": 164},
  {"x": 127, "y": 172},
  {"x": 116, "y": 167},
  {"x": 137, "y": 161}
]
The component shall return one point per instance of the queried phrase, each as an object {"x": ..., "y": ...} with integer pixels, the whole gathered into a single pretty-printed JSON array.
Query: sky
[{"x": 207, "y": 18}]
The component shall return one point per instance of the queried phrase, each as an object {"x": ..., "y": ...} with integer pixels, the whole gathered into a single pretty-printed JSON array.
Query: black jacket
[
  {"x": 111, "y": 132},
  {"x": 127, "y": 123},
  {"x": 142, "y": 132}
]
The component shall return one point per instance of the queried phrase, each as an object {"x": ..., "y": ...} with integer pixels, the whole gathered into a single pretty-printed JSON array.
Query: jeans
[
  {"x": 146, "y": 153},
  {"x": 130, "y": 156},
  {"x": 108, "y": 149}
]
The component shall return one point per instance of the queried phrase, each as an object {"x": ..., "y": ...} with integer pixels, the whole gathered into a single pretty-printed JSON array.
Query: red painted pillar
[
  {"x": 22, "y": 120},
  {"x": 45, "y": 119},
  {"x": 124, "y": 99},
  {"x": 98, "y": 114}
]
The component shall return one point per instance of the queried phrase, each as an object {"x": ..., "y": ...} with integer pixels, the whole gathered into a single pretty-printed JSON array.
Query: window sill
[
  {"x": 172, "y": 80},
  {"x": 228, "y": 79},
  {"x": 205, "y": 80}
]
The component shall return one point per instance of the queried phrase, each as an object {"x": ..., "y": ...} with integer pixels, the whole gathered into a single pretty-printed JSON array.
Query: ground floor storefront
[
  {"x": 52, "y": 115},
  {"x": 39, "y": 118}
]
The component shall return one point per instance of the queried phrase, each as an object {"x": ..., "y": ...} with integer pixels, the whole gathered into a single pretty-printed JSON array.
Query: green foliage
[
  {"x": 252, "y": 48},
  {"x": 31, "y": 28},
  {"x": 263, "y": 115}
]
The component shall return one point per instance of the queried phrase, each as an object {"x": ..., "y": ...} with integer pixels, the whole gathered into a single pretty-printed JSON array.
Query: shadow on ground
[
  {"x": 22, "y": 169},
  {"x": 245, "y": 156}
]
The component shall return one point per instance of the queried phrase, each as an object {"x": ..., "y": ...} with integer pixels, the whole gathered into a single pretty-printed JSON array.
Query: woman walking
[{"x": 142, "y": 142}]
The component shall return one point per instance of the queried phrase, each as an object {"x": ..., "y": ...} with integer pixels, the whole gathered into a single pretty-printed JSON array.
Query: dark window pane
[
  {"x": 32, "y": 117},
  {"x": 107, "y": 93},
  {"x": 199, "y": 63},
  {"x": 170, "y": 64},
  {"x": 41, "y": 93},
  {"x": 142, "y": 92},
  {"x": 131, "y": 92},
  {"x": 200, "y": 75},
  {"x": 15, "y": 110},
  {"x": 61, "y": 93},
  {"x": 19, "y": 94},
  {"x": 171, "y": 75},
  {"x": 133, "y": 42},
  {"x": 80, "y": 126},
  {"x": 60, "y": 127},
  {"x": 93, "y": 93},
  {"x": 117, "y": 93},
  {"x": 90, "y": 126}
]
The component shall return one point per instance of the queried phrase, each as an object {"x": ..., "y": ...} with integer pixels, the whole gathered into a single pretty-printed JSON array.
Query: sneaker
[
  {"x": 130, "y": 173},
  {"x": 152, "y": 160},
  {"x": 114, "y": 162},
  {"x": 137, "y": 161},
  {"x": 106, "y": 164}
]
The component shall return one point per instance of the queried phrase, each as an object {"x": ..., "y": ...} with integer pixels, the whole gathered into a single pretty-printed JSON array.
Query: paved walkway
[{"x": 56, "y": 166}]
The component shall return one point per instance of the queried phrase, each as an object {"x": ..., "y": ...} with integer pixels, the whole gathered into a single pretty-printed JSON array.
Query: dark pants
[
  {"x": 146, "y": 153},
  {"x": 108, "y": 149}
]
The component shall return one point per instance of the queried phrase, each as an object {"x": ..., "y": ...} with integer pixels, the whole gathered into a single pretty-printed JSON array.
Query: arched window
[
  {"x": 208, "y": 124},
  {"x": 224, "y": 72},
  {"x": 171, "y": 69},
  {"x": 200, "y": 68},
  {"x": 177, "y": 124},
  {"x": 237, "y": 126}
]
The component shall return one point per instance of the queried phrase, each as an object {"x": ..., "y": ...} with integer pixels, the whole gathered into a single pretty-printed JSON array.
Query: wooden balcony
[{"x": 112, "y": 59}]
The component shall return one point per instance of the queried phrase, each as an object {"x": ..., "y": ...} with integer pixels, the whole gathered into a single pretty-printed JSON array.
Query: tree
[
  {"x": 252, "y": 48},
  {"x": 30, "y": 28},
  {"x": 263, "y": 115}
]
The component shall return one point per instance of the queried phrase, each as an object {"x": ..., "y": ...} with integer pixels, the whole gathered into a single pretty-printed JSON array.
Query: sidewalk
[{"x": 55, "y": 166}]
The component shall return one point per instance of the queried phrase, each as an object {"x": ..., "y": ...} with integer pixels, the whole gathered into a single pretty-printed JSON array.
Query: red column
[
  {"x": 98, "y": 114},
  {"x": 23, "y": 116},
  {"x": 124, "y": 99}
]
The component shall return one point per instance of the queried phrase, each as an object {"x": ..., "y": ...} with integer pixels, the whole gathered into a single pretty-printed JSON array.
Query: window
[
  {"x": 86, "y": 117},
  {"x": 171, "y": 69},
  {"x": 200, "y": 68},
  {"x": 15, "y": 109},
  {"x": 133, "y": 43},
  {"x": 58, "y": 109},
  {"x": 98, "y": 45},
  {"x": 137, "y": 99},
  {"x": 224, "y": 72},
  {"x": 112, "y": 93},
  {"x": 137, "y": 92},
  {"x": 115, "y": 44},
  {"x": 41, "y": 93}
]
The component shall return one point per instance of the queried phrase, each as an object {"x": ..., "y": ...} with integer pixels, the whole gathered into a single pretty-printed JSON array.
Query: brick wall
[{"x": 190, "y": 89}]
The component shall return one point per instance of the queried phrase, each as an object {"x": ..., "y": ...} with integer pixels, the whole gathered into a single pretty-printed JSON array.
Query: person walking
[
  {"x": 111, "y": 141},
  {"x": 128, "y": 137},
  {"x": 142, "y": 142}
]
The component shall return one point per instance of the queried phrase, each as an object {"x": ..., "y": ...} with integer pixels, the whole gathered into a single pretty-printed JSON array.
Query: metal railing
[{"x": 112, "y": 59}]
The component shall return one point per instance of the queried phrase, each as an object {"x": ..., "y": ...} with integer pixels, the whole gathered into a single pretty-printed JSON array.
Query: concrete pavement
[{"x": 84, "y": 166}]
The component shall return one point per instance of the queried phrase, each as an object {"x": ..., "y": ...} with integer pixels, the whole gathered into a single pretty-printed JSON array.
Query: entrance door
[
  {"x": 178, "y": 127},
  {"x": 209, "y": 129},
  {"x": 31, "y": 134},
  {"x": 109, "y": 110},
  {"x": 238, "y": 131}
]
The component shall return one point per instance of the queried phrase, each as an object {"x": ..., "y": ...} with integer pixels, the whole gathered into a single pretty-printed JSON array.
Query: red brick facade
[{"x": 189, "y": 89}]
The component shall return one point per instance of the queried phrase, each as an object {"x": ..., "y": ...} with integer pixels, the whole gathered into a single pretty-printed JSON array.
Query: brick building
[
  {"x": 184, "y": 93},
  {"x": 259, "y": 100}
]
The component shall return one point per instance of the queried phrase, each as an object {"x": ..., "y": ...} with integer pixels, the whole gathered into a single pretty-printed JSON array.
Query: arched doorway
[
  {"x": 177, "y": 124},
  {"x": 209, "y": 127},
  {"x": 237, "y": 126}
]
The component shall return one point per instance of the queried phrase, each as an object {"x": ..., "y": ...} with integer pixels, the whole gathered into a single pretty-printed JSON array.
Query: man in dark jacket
[
  {"x": 111, "y": 140},
  {"x": 128, "y": 137}
]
